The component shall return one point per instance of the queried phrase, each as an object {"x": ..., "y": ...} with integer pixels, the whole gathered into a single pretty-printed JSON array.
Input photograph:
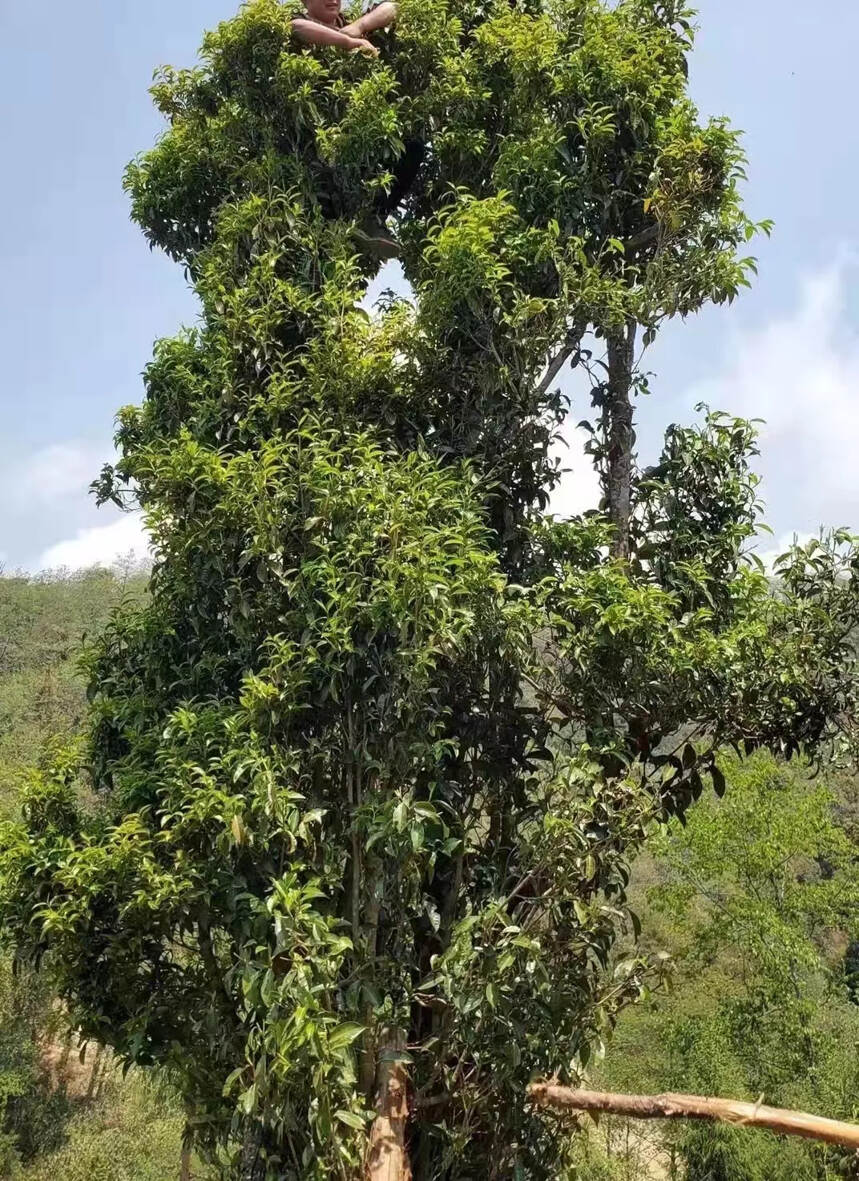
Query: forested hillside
[
  {"x": 753, "y": 904},
  {"x": 756, "y": 899},
  {"x": 43, "y": 624},
  {"x": 67, "y": 1113}
]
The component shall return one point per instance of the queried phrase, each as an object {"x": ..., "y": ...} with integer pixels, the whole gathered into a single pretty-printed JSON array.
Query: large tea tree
[{"x": 344, "y": 844}]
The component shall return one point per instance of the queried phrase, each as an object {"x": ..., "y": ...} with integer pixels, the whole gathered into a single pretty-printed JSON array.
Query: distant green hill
[{"x": 43, "y": 623}]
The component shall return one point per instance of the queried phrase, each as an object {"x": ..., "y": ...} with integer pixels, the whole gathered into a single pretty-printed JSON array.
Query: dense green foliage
[
  {"x": 754, "y": 898},
  {"x": 376, "y": 751}
]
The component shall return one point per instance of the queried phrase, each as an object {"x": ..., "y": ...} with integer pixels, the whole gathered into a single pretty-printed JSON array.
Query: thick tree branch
[
  {"x": 559, "y": 360},
  {"x": 696, "y": 1107},
  {"x": 643, "y": 239}
]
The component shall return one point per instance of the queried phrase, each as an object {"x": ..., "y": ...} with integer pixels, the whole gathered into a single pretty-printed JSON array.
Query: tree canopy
[{"x": 365, "y": 769}]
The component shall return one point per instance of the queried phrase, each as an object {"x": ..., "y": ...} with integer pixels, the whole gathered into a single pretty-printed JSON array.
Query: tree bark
[
  {"x": 372, "y": 912},
  {"x": 185, "y": 1164},
  {"x": 102, "y": 1078},
  {"x": 252, "y": 1166},
  {"x": 695, "y": 1107},
  {"x": 94, "y": 1073},
  {"x": 557, "y": 362},
  {"x": 387, "y": 1155},
  {"x": 620, "y": 435}
]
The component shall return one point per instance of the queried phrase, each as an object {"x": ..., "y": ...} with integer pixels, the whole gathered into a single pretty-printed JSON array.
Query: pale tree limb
[
  {"x": 559, "y": 360},
  {"x": 696, "y": 1107},
  {"x": 556, "y": 364}
]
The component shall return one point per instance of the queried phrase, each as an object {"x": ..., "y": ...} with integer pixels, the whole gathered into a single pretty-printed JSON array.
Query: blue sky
[{"x": 82, "y": 298}]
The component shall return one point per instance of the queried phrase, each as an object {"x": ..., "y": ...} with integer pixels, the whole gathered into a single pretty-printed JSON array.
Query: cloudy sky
[{"x": 82, "y": 298}]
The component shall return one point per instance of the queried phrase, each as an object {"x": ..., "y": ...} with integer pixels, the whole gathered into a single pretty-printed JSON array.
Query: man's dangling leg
[{"x": 374, "y": 233}]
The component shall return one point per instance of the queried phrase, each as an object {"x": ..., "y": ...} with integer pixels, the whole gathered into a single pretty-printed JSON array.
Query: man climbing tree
[
  {"x": 343, "y": 847},
  {"x": 326, "y": 25}
]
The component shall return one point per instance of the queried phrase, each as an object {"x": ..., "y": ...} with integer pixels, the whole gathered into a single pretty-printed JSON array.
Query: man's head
[{"x": 326, "y": 12}]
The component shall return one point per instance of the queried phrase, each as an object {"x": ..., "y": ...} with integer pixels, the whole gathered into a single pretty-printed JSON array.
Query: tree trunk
[
  {"x": 63, "y": 1063},
  {"x": 367, "y": 1062},
  {"x": 102, "y": 1078},
  {"x": 387, "y": 1156},
  {"x": 620, "y": 435},
  {"x": 185, "y": 1164},
  {"x": 93, "y": 1077},
  {"x": 252, "y": 1166}
]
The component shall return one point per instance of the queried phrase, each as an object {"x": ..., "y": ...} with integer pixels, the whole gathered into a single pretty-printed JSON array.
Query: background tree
[
  {"x": 369, "y": 763},
  {"x": 755, "y": 896}
]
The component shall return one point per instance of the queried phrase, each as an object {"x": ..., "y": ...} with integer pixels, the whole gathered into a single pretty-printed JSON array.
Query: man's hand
[{"x": 361, "y": 45}]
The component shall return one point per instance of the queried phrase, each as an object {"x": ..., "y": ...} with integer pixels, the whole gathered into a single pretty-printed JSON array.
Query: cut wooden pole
[
  {"x": 388, "y": 1155},
  {"x": 729, "y": 1111}
]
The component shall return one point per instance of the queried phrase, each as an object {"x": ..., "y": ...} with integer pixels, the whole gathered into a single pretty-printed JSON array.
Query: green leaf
[
  {"x": 719, "y": 784},
  {"x": 344, "y": 1035},
  {"x": 232, "y": 1079},
  {"x": 351, "y": 1119}
]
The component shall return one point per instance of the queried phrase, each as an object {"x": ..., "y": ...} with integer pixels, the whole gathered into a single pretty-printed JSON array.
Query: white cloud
[
  {"x": 60, "y": 469},
  {"x": 100, "y": 546},
  {"x": 776, "y": 548},
  {"x": 800, "y": 372},
  {"x": 44, "y": 495},
  {"x": 579, "y": 489}
]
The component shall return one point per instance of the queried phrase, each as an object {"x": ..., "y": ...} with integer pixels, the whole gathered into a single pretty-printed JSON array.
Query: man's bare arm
[
  {"x": 379, "y": 17},
  {"x": 313, "y": 33}
]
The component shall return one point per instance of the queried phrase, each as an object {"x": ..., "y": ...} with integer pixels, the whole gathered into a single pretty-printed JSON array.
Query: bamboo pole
[{"x": 695, "y": 1107}]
